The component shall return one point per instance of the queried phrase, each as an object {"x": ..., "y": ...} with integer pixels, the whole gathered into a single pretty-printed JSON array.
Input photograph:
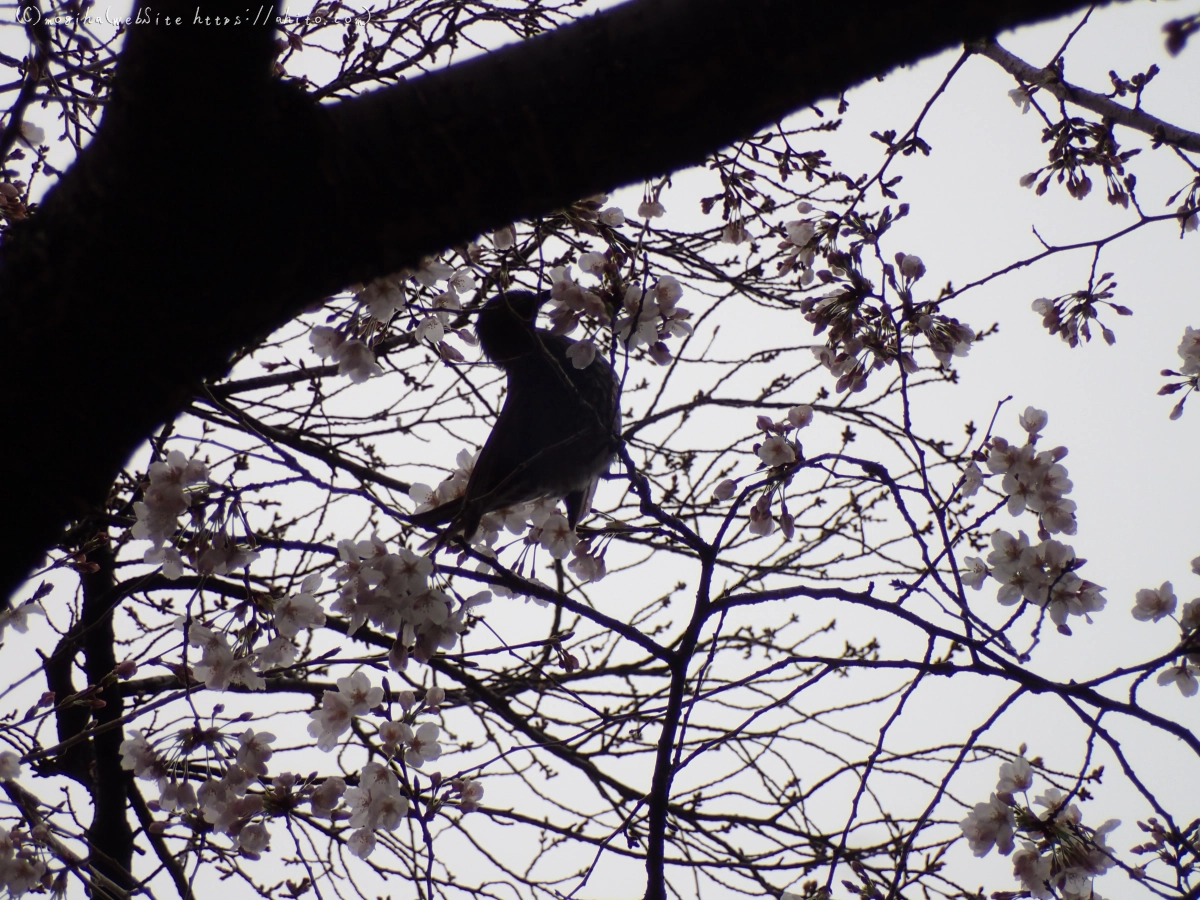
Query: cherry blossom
[
  {"x": 361, "y": 695},
  {"x": 725, "y": 490},
  {"x": 17, "y": 617},
  {"x": 252, "y": 840},
  {"x": 651, "y": 209},
  {"x": 32, "y": 135},
  {"x": 355, "y": 359},
  {"x": 973, "y": 572},
  {"x": 761, "y": 522},
  {"x": 1032, "y": 869},
  {"x": 169, "y": 558},
  {"x": 432, "y": 271},
  {"x": 1189, "y": 349},
  {"x": 504, "y": 238},
  {"x": 382, "y": 297},
  {"x": 800, "y": 416},
  {"x": 430, "y": 329},
  {"x": 325, "y": 340},
  {"x": 166, "y": 497},
  {"x": 177, "y": 795},
  {"x": 1189, "y": 616},
  {"x": 558, "y": 537},
  {"x": 361, "y": 842},
  {"x": 640, "y": 324},
  {"x": 138, "y": 756},
  {"x": 581, "y": 354},
  {"x": 19, "y": 873},
  {"x": 911, "y": 266},
  {"x": 462, "y": 281},
  {"x": 325, "y": 799},
  {"x": 613, "y": 217},
  {"x": 10, "y": 765},
  {"x": 376, "y": 803},
  {"x": 470, "y": 793},
  {"x": 254, "y": 751},
  {"x": 218, "y": 667},
  {"x": 949, "y": 338},
  {"x": 800, "y": 232},
  {"x": 734, "y": 232},
  {"x": 278, "y": 653},
  {"x": 989, "y": 825},
  {"x": 1034, "y": 420},
  {"x": 777, "y": 451},
  {"x": 1014, "y": 776},
  {"x": 1043, "y": 575},
  {"x": 972, "y": 480},
  {"x": 586, "y": 566},
  {"x": 421, "y": 745},
  {"x": 223, "y": 556},
  {"x": 1020, "y": 98},
  {"x": 1183, "y": 676},
  {"x": 331, "y": 720},
  {"x": 592, "y": 263},
  {"x": 660, "y": 353},
  {"x": 445, "y": 305},
  {"x": 300, "y": 611},
  {"x": 1153, "y": 604}
]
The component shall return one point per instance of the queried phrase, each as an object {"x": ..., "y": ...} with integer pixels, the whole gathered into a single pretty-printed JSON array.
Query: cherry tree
[{"x": 781, "y": 655}]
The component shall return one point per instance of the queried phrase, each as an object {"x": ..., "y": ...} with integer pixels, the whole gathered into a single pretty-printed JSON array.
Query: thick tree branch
[{"x": 1049, "y": 80}]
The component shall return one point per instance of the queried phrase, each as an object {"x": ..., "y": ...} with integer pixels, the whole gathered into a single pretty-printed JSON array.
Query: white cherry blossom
[
  {"x": 777, "y": 451},
  {"x": 651, "y": 209},
  {"x": 300, "y": 611},
  {"x": 989, "y": 825},
  {"x": 1183, "y": 676},
  {"x": 355, "y": 360},
  {"x": 1154, "y": 604},
  {"x": 612, "y": 217}
]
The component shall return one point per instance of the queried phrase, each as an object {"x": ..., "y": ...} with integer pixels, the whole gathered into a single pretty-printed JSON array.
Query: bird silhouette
[{"x": 559, "y": 428}]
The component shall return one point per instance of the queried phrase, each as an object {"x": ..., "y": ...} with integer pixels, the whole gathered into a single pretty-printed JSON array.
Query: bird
[{"x": 558, "y": 430}]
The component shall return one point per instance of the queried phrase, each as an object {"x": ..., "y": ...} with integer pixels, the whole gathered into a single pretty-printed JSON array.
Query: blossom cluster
[
  {"x": 164, "y": 500},
  {"x": 1189, "y": 372},
  {"x": 1059, "y": 856},
  {"x": 21, "y": 867},
  {"x": 653, "y": 316},
  {"x": 225, "y": 803},
  {"x": 1043, "y": 574},
  {"x": 392, "y": 592},
  {"x": 777, "y": 452},
  {"x": 242, "y": 799},
  {"x": 864, "y": 337},
  {"x": 379, "y": 800},
  {"x": 223, "y": 663},
  {"x": 175, "y": 486},
  {"x": 381, "y": 299},
  {"x": 799, "y": 245},
  {"x": 1155, "y": 604},
  {"x": 1034, "y": 481}
]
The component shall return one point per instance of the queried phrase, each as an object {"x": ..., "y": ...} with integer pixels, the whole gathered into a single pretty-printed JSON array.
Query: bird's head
[{"x": 506, "y": 324}]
